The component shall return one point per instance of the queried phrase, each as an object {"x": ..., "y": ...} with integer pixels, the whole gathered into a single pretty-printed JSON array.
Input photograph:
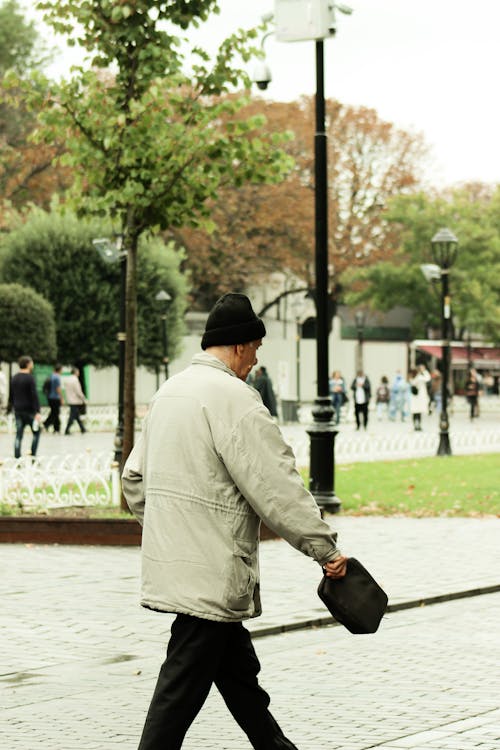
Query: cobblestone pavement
[{"x": 79, "y": 657}]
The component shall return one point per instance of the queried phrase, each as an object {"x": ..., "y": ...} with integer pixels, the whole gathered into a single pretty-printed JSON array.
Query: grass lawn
[{"x": 437, "y": 486}]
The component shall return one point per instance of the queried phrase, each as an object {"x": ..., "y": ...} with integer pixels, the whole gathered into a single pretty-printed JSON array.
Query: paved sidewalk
[{"x": 79, "y": 657}]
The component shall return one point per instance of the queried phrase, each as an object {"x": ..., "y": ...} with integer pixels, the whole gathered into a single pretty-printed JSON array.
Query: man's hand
[{"x": 336, "y": 568}]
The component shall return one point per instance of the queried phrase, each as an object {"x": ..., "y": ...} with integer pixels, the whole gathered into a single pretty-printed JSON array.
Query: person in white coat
[
  {"x": 209, "y": 465},
  {"x": 419, "y": 397}
]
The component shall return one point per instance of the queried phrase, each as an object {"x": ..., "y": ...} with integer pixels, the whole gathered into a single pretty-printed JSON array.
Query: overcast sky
[{"x": 431, "y": 66}]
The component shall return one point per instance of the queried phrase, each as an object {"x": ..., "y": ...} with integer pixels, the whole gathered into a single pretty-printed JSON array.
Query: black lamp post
[
  {"x": 360, "y": 328},
  {"x": 322, "y": 433},
  {"x": 444, "y": 246},
  {"x": 164, "y": 299},
  {"x": 111, "y": 252}
]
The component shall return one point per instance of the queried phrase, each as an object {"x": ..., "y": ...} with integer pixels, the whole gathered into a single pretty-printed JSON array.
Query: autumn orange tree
[{"x": 259, "y": 228}]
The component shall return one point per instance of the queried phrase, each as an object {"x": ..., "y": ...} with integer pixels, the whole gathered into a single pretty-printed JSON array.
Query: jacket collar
[{"x": 210, "y": 361}]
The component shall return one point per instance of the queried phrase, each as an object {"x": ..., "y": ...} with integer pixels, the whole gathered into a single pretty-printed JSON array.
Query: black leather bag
[{"x": 356, "y": 600}]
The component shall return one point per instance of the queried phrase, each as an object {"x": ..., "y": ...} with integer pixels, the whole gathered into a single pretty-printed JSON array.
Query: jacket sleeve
[
  {"x": 263, "y": 468},
  {"x": 133, "y": 480}
]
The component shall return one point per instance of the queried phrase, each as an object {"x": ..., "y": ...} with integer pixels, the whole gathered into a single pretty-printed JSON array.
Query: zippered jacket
[{"x": 209, "y": 465}]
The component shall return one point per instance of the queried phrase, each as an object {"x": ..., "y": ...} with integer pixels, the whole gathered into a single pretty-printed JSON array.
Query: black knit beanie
[{"x": 232, "y": 321}]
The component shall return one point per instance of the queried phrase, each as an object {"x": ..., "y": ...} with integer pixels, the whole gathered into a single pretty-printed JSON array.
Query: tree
[
  {"x": 150, "y": 144},
  {"x": 263, "y": 227},
  {"x": 471, "y": 212},
  {"x": 27, "y": 324},
  {"x": 53, "y": 253},
  {"x": 26, "y": 172},
  {"x": 21, "y": 48}
]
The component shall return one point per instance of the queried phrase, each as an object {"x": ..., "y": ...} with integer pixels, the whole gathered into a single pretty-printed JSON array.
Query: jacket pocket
[{"x": 242, "y": 576}]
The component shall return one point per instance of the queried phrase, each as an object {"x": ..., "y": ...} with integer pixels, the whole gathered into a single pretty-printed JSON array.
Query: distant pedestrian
[
  {"x": 227, "y": 468},
  {"x": 489, "y": 383},
  {"x": 263, "y": 384},
  {"x": 23, "y": 400},
  {"x": 400, "y": 398},
  {"x": 419, "y": 397},
  {"x": 435, "y": 391},
  {"x": 472, "y": 389},
  {"x": 55, "y": 399},
  {"x": 75, "y": 399},
  {"x": 337, "y": 393},
  {"x": 361, "y": 390},
  {"x": 382, "y": 397}
]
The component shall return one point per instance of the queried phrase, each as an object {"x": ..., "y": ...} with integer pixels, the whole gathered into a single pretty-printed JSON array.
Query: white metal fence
[
  {"x": 60, "y": 481},
  {"x": 350, "y": 448}
]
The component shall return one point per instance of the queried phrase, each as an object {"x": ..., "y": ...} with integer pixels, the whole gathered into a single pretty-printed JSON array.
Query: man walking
[
  {"x": 75, "y": 398},
  {"x": 55, "y": 399},
  {"x": 209, "y": 465},
  {"x": 23, "y": 399}
]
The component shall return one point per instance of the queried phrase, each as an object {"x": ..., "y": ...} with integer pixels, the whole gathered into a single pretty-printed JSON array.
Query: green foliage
[
  {"x": 150, "y": 143},
  {"x": 53, "y": 253},
  {"x": 27, "y": 324},
  {"x": 472, "y": 215},
  {"x": 20, "y": 44}
]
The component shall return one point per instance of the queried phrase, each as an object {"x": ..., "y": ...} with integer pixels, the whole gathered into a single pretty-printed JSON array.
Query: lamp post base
[
  {"x": 444, "y": 448},
  {"x": 322, "y": 458}
]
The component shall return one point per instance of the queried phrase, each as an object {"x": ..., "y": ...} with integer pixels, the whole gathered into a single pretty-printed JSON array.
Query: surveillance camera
[{"x": 262, "y": 76}]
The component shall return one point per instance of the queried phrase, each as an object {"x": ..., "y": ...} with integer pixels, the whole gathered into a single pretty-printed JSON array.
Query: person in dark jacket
[
  {"x": 262, "y": 383},
  {"x": 55, "y": 399},
  {"x": 23, "y": 399}
]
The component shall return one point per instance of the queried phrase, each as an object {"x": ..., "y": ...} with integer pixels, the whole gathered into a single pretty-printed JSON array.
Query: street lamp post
[
  {"x": 444, "y": 247},
  {"x": 164, "y": 299},
  {"x": 111, "y": 252},
  {"x": 299, "y": 21},
  {"x": 322, "y": 433},
  {"x": 360, "y": 328}
]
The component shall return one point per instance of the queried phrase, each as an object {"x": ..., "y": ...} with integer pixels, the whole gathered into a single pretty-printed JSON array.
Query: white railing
[
  {"x": 60, "y": 481},
  {"x": 351, "y": 448}
]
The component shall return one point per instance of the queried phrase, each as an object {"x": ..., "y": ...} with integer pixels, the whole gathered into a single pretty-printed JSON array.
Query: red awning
[{"x": 481, "y": 356}]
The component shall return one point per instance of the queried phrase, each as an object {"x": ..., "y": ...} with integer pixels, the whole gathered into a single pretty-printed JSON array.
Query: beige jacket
[{"x": 209, "y": 464}]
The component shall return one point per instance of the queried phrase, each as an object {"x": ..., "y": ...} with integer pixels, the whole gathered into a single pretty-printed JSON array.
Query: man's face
[{"x": 246, "y": 358}]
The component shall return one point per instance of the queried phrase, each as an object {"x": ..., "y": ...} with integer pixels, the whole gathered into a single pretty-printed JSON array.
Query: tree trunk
[{"x": 131, "y": 243}]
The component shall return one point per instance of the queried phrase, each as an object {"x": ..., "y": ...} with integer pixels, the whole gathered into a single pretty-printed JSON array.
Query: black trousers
[
  {"x": 361, "y": 410},
  {"x": 54, "y": 418},
  {"x": 200, "y": 653},
  {"x": 74, "y": 416}
]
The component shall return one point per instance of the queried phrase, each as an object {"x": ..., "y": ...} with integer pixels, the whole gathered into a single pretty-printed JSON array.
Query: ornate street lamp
[
  {"x": 298, "y": 21},
  {"x": 444, "y": 248},
  {"x": 111, "y": 252},
  {"x": 164, "y": 299}
]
